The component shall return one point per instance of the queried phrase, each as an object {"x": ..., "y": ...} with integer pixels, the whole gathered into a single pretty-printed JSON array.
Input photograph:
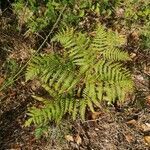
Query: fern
[
  {"x": 89, "y": 71},
  {"x": 54, "y": 110}
]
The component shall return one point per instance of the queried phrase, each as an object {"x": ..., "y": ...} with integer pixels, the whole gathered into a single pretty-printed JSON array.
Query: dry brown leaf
[
  {"x": 1, "y": 93},
  {"x": 132, "y": 55},
  {"x": 147, "y": 70},
  {"x": 145, "y": 127},
  {"x": 148, "y": 100},
  {"x": 69, "y": 138},
  {"x": 1, "y": 80},
  {"x": 78, "y": 139},
  {"x": 35, "y": 85},
  {"x": 92, "y": 33},
  {"x": 95, "y": 115},
  {"x": 135, "y": 35},
  {"x": 132, "y": 122},
  {"x": 129, "y": 138},
  {"x": 147, "y": 139},
  {"x": 120, "y": 12}
]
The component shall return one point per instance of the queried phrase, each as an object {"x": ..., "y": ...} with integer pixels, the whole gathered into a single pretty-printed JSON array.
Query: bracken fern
[{"x": 89, "y": 71}]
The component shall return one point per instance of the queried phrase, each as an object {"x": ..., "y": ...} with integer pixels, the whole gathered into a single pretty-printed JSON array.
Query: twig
[
  {"x": 93, "y": 120},
  {"x": 40, "y": 47},
  {"x": 42, "y": 38}
]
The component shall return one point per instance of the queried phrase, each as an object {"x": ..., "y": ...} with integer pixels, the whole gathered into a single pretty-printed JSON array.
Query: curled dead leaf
[
  {"x": 145, "y": 127},
  {"x": 1, "y": 80},
  {"x": 1, "y": 93},
  {"x": 129, "y": 138},
  {"x": 147, "y": 139},
  {"x": 78, "y": 139},
  {"x": 120, "y": 12},
  {"x": 95, "y": 115},
  {"x": 132, "y": 122},
  {"x": 132, "y": 55},
  {"x": 69, "y": 138},
  {"x": 147, "y": 70},
  {"x": 135, "y": 35},
  {"x": 148, "y": 100}
]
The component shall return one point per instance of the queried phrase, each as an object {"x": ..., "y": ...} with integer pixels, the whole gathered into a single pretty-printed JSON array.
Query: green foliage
[
  {"x": 87, "y": 72},
  {"x": 145, "y": 36},
  {"x": 136, "y": 13},
  {"x": 137, "y": 10},
  {"x": 105, "y": 8},
  {"x": 137, "y": 16},
  {"x": 40, "y": 131},
  {"x": 38, "y": 15},
  {"x": 11, "y": 67},
  {"x": 35, "y": 15}
]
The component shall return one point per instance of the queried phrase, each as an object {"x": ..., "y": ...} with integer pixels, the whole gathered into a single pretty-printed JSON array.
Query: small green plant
[
  {"x": 106, "y": 8},
  {"x": 137, "y": 12},
  {"x": 88, "y": 71},
  {"x": 145, "y": 37},
  {"x": 139, "y": 9}
]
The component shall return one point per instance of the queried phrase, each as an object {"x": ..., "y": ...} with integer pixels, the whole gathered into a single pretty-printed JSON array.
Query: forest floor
[{"x": 113, "y": 128}]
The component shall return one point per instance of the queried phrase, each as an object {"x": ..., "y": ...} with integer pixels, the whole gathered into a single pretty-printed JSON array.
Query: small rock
[{"x": 96, "y": 129}]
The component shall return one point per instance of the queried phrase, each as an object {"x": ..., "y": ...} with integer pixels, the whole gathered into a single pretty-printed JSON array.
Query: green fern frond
[
  {"x": 116, "y": 55},
  {"x": 106, "y": 44},
  {"x": 66, "y": 38},
  {"x": 90, "y": 70},
  {"x": 41, "y": 65},
  {"x": 74, "y": 111},
  {"x": 82, "y": 109},
  {"x": 90, "y": 104}
]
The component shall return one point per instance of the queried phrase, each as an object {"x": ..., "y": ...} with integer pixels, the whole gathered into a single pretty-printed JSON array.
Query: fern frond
[
  {"x": 90, "y": 104},
  {"x": 90, "y": 70},
  {"x": 65, "y": 37},
  {"x": 116, "y": 55},
  {"x": 106, "y": 44},
  {"x": 42, "y": 66},
  {"x": 82, "y": 109},
  {"x": 74, "y": 43},
  {"x": 90, "y": 90},
  {"x": 74, "y": 111}
]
